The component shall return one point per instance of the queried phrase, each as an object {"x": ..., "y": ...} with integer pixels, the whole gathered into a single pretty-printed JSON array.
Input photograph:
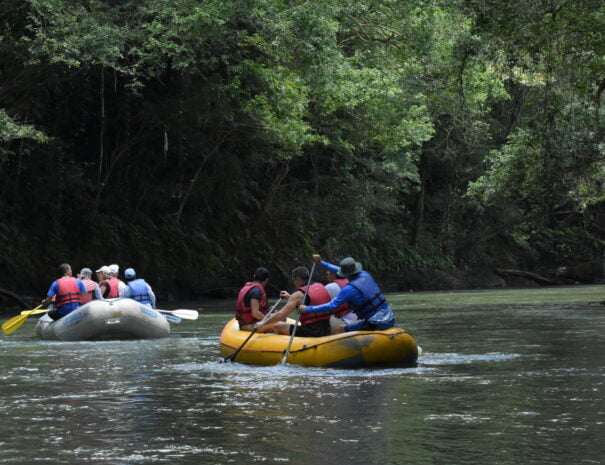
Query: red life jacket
[
  {"x": 90, "y": 291},
  {"x": 317, "y": 295},
  {"x": 114, "y": 288},
  {"x": 67, "y": 291},
  {"x": 244, "y": 314},
  {"x": 344, "y": 308}
]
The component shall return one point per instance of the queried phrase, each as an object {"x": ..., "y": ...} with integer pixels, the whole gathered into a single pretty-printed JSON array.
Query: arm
[
  {"x": 82, "y": 288},
  {"x": 345, "y": 295},
  {"x": 125, "y": 291},
  {"x": 317, "y": 259},
  {"x": 97, "y": 292},
  {"x": 294, "y": 301},
  {"x": 52, "y": 291},
  {"x": 255, "y": 308}
]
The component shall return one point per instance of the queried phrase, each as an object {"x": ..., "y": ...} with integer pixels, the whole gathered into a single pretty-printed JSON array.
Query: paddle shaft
[
  {"x": 285, "y": 357},
  {"x": 184, "y": 313},
  {"x": 234, "y": 354},
  {"x": 15, "y": 322}
]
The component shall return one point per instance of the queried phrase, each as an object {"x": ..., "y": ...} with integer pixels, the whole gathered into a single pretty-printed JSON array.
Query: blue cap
[{"x": 129, "y": 273}]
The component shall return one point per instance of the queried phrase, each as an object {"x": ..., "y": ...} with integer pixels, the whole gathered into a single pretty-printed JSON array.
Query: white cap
[
  {"x": 114, "y": 269},
  {"x": 104, "y": 269}
]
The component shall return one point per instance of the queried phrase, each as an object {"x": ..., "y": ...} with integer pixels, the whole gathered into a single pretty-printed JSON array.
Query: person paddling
[
  {"x": 67, "y": 292},
  {"x": 312, "y": 324},
  {"x": 137, "y": 289},
  {"x": 361, "y": 293},
  {"x": 251, "y": 305}
]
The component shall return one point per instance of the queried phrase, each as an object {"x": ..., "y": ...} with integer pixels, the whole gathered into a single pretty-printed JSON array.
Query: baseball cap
[
  {"x": 86, "y": 272},
  {"x": 114, "y": 268},
  {"x": 103, "y": 269},
  {"x": 129, "y": 273}
]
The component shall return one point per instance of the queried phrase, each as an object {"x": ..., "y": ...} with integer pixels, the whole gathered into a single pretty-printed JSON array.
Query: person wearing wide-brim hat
[{"x": 361, "y": 293}]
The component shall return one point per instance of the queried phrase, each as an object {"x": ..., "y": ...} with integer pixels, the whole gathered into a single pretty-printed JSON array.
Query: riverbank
[{"x": 454, "y": 279}]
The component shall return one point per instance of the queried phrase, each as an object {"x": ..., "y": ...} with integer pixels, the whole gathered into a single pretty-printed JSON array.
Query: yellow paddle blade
[{"x": 15, "y": 322}]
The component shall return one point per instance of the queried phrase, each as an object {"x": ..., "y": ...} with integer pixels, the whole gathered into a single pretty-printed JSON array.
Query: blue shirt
[
  {"x": 69, "y": 306},
  {"x": 349, "y": 294}
]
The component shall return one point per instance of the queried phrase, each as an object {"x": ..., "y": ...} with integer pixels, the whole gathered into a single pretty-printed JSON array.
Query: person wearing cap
[
  {"x": 66, "y": 291},
  {"x": 137, "y": 289},
  {"x": 343, "y": 315},
  {"x": 92, "y": 288},
  {"x": 108, "y": 285},
  {"x": 251, "y": 305},
  {"x": 115, "y": 274},
  {"x": 361, "y": 293},
  {"x": 311, "y": 324}
]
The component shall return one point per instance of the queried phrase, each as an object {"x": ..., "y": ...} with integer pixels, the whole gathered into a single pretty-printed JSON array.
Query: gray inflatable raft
[{"x": 105, "y": 319}]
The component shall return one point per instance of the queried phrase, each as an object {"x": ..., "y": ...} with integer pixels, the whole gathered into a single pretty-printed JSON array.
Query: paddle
[
  {"x": 231, "y": 357},
  {"x": 183, "y": 313},
  {"x": 35, "y": 312},
  {"x": 287, "y": 351},
  {"x": 15, "y": 322},
  {"x": 172, "y": 318}
]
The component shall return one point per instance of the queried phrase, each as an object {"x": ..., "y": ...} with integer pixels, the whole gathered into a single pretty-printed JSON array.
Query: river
[{"x": 505, "y": 377}]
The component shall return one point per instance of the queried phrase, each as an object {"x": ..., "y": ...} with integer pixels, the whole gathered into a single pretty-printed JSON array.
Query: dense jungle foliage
[{"x": 198, "y": 139}]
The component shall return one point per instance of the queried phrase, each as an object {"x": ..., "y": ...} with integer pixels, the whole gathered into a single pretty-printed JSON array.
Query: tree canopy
[{"x": 198, "y": 139}]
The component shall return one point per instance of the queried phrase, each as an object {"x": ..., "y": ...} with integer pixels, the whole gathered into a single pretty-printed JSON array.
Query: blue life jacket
[
  {"x": 139, "y": 292},
  {"x": 372, "y": 299}
]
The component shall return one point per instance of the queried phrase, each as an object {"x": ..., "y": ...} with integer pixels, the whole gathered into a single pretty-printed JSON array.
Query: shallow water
[{"x": 505, "y": 377}]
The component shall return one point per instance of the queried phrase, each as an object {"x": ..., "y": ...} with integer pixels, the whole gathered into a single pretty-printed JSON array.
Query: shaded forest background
[{"x": 435, "y": 141}]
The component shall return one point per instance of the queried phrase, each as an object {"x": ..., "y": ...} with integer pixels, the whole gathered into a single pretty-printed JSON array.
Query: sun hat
[
  {"x": 348, "y": 266},
  {"x": 130, "y": 273},
  {"x": 103, "y": 269}
]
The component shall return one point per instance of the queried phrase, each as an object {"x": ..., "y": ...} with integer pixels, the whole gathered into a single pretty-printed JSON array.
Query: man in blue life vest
[
  {"x": 137, "y": 289},
  {"x": 312, "y": 324},
  {"x": 251, "y": 305},
  {"x": 67, "y": 292},
  {"x": 361, "y": 293}
]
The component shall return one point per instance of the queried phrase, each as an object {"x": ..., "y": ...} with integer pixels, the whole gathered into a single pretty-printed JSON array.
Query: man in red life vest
[
  {"x": 108, "y": 285},
  {"x": 344, "y": 314},
  {"x": 67, "y": 292},
  {"x": 316, "y": 325},
  {"x": 114, "y": 270},
  {"x": 251, "y": 305},
  {"x": 92, "y": 288}
]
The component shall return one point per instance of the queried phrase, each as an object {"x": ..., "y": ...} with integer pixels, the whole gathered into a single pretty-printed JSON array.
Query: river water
[{"x": 505, "y": 377}]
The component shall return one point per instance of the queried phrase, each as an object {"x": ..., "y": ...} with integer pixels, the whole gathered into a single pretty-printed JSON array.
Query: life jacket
[
  {"x": 68, "y": 291},
  {"x": 316, "y": 295},
  {"x": 113, "y": 286},
  {"x": 90, "y": 291},
  {"x": 344, "y": 308},
  {"x": 244, "y": 313},
  {"x": 139, "y": 291},
  {"x": 372, "y": 298}
]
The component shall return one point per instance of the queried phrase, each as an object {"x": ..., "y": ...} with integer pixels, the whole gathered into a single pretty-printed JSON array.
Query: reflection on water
[{"x": 501, "y": 384}]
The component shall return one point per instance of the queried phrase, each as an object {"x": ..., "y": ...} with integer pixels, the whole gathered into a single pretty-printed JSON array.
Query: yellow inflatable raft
[{"x": 393, "y": 347}]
